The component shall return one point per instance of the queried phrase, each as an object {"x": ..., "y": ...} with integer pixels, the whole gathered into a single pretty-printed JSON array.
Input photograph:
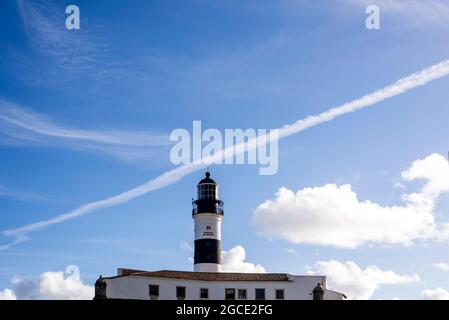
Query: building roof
[{"x": 205, "y": 276}]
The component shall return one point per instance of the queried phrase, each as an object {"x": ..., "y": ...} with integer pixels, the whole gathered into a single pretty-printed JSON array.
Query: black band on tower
[{"x": 207, "y": 251}]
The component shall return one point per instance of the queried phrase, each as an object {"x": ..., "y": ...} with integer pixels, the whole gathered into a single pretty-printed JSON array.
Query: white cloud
[
  {"x": 435, "y": 294},
  {"x": 51, "y": 286},
  {"x": 172, "y": 176},
  {"x": 442, "y": 266},
  {"x": 234, "y": 261},
  {"x": 359, "y": 283},
  {"x": 7, "y": 294},
  {"x": 333, "y": 215},
  {"x": 399, "y": 185}
]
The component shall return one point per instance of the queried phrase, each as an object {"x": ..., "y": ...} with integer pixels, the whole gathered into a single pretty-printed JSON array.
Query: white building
[{"x": 206, "y": 281}]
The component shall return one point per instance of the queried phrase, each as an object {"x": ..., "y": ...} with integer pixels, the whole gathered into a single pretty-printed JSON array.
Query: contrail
[{"x": 170, "y": 177}]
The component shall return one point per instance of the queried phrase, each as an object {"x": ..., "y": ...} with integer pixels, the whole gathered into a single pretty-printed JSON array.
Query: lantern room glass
[{"x": 207, "y": 191}]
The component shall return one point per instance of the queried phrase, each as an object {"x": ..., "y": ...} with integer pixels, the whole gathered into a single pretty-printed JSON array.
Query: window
[
  {"x": 207, "y": 191},
  {"x": 260, "y": 294},
  {"x": 230, "y": 294},
  {"x": 154, "y": 291},
  {"x": 242, "y": 294},
  {"x": 181, "y": 293},
  {"x": 204, "y": 293},
  {"x": 207, "y": 227},
  {"x": 280, "y": 294}
]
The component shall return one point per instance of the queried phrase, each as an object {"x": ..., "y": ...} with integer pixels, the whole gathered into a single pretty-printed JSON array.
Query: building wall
[
  {"x": 137, "y": 287},
  {"x": 333, "y": 295}
]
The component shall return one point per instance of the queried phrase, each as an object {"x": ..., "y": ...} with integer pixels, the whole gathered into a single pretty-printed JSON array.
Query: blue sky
[{"x": 133, "y": 73}]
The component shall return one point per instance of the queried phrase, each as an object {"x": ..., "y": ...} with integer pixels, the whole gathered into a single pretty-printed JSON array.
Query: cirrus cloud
[
  {"x": 418, "y": 12},
  {"x": 21, "y": 126}
]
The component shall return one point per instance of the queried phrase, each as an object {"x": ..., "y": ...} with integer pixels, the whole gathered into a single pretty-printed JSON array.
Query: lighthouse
[
  {"x": 207, "y": 214},
  {"x": 206, "y": 281}
]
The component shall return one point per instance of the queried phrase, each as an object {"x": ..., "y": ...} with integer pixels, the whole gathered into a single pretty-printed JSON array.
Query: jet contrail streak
[{"x": 421, "y": 78}]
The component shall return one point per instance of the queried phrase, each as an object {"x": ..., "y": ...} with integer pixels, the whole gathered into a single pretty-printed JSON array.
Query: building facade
[
  {"x": 206, "y": 281},
  {"x": 184, "y": 285}
]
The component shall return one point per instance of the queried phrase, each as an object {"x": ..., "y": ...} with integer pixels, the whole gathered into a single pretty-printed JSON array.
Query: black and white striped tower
[{"x": 207, "y": 214}]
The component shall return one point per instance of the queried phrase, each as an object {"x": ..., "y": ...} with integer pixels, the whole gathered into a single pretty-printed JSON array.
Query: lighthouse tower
[{"x": 207, "y": 214}]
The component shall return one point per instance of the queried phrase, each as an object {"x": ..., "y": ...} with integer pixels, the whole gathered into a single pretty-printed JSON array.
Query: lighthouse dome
[
  {"x": 208, "y": 200},
  {"x": 207, "y": 188},
  {"x": 207, "y": 180}
]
